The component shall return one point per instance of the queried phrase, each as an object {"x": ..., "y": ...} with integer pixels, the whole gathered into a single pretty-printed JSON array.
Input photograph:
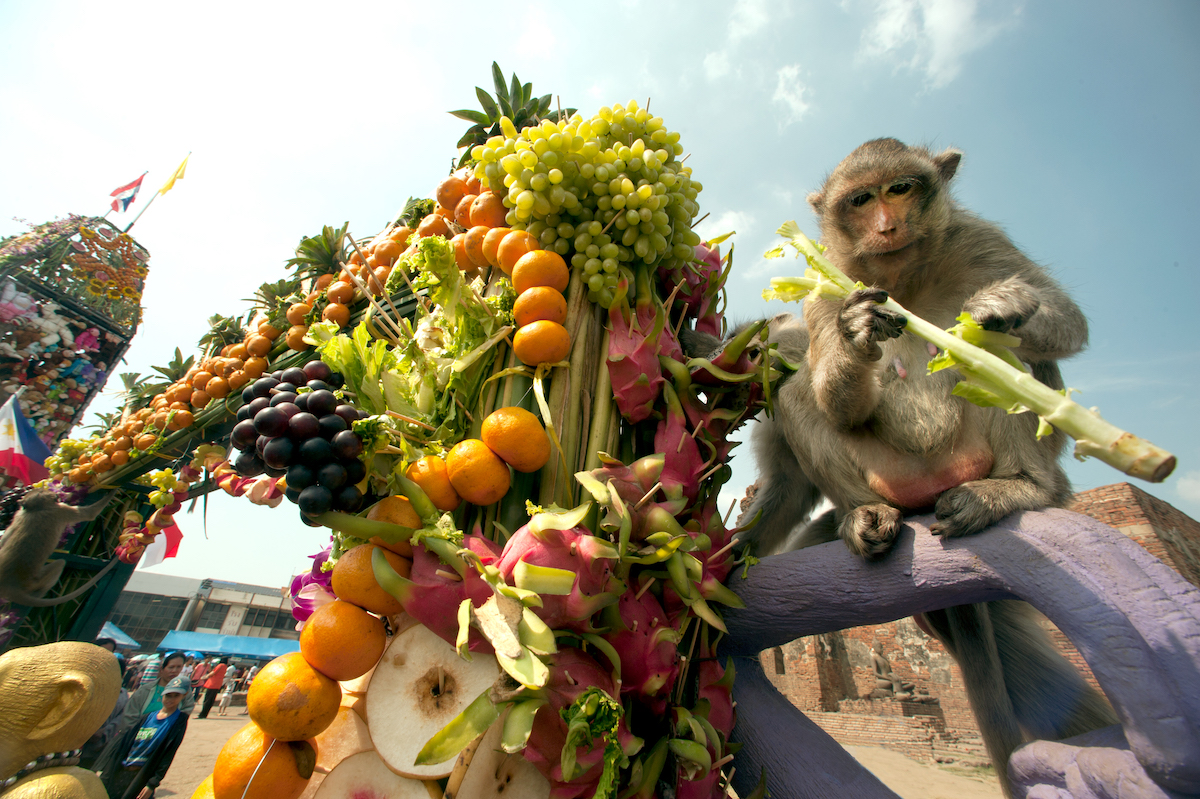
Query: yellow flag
[{"x": 170, "y": 184}]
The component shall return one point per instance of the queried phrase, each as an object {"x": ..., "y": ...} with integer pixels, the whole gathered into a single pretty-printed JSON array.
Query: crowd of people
[{"x": 134, "y": 748}]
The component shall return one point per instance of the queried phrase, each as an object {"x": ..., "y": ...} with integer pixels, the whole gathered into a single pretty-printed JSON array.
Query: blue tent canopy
[
  {"x": 241, "y": 645},
  {"x": 110, "y": 630}
]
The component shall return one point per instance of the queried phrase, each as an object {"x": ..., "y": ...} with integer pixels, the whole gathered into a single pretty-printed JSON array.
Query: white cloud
[
  {"x": 716, "y": 65},
  {"x": 738, "y": 221},
  {"x": 1188, "y": 486},
  {"x": 930, "y": 36},
  {"x": 789, "y": 92},
  {"x": 747, "y": 18}
]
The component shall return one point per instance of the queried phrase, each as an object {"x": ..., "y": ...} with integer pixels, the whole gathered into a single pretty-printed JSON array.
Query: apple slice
[
  {"x": 359, "y": 684},
  {"x": 420, "y": 685},
  {"x": 314, "y": 784},
  {"x": 346, "y": 736},
  {"x": 365, "y": 776},
  {"x": 495, "y": 774},
  {"x": 356, "y": 702}
]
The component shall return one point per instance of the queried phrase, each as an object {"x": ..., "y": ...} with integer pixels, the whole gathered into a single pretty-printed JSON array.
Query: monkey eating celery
[
  {"x": 26, "y": 572},
  {"x": 862, "y": 424}
]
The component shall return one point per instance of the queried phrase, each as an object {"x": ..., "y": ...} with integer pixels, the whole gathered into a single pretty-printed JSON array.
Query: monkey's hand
[
  {"x": 1004, "y": 305},
  {"x": 863, "y": 321},
  {"x": 870, "y": 530}
]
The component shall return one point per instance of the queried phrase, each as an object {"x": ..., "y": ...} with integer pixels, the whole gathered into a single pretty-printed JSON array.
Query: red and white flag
[
  {"x": 124, "y": 195},
  {"x": 165, "y": 545}
]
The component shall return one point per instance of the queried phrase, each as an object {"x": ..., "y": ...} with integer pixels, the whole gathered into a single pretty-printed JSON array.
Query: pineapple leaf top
[
  {"x": 320, "y": 255},
  {"x": 514, "y": 100}
]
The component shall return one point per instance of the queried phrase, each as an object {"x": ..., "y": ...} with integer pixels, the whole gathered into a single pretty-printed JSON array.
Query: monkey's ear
[
  {"x": 817, "y": 201},
  {"x": 947, "y": 163}
]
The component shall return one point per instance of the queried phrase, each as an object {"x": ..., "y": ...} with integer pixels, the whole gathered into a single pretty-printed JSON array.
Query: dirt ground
[{"x": 908, "y": 778}]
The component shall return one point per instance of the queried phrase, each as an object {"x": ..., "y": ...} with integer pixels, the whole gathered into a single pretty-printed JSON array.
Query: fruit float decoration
[{"x": 488, "y": 405}]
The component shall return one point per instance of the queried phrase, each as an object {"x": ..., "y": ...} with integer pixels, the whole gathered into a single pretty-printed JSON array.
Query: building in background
[{"x": 153, "y": 605}]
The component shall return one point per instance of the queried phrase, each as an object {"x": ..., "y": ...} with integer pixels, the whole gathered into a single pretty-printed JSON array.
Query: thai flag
[
  {"x": 22, "y": 453},
  {"x": 124, "y": 195}
]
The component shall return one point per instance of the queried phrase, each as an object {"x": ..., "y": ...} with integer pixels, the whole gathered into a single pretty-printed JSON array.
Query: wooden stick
[
  {"x": 410, "y": 420},
  {"x": 382, "y": 289}
]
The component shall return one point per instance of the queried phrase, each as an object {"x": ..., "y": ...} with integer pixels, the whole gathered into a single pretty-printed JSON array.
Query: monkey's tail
[
  {"x": 1018, "y": 684},
  {"x": 20, "y": 597}
]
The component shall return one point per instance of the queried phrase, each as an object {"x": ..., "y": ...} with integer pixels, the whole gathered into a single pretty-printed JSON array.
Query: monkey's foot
[
  {"x": 870, "y": 530},
  {"x": 966, "y": 510}
]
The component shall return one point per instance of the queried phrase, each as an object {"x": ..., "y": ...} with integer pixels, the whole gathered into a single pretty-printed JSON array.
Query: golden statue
[{"x": 52, "y": 699}]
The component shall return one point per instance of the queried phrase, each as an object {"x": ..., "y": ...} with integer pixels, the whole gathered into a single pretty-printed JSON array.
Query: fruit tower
[{"x": 488, "y": 405}]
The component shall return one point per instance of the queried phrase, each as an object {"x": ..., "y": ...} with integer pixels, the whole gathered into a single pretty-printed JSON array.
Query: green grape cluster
[
  {"x": 69, "y": 451},
  {"x": 608, "y": 192}
]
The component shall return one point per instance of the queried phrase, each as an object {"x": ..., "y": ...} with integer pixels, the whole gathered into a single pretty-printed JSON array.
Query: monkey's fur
[
  {"x": 862, "y": 424},
  {"x": 26, "y": 571}
]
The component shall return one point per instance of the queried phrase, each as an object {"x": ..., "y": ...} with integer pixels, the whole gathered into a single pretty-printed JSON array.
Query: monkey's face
[{"x": 882, "y": 218}]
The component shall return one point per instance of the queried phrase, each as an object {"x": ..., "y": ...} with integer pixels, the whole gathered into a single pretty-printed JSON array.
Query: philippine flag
[
  {"x": 22, "y": 453},
  {"x": 124, "y": 195}
]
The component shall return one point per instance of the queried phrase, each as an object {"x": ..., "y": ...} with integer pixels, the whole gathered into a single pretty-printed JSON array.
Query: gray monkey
[
  {"x": 26, "y": 571},
  {"x": 861, "y": 424}
]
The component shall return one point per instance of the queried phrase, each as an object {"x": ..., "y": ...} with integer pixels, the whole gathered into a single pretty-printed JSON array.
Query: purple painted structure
[{"x": 1135, "y": 621}]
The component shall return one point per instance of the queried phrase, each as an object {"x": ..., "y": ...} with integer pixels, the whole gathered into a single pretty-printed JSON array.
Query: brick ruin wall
[{"x": 831, "y": 676}]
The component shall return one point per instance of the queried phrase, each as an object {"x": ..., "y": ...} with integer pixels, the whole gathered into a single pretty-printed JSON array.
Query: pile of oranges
[
  {"x": 477, "y": 468},
  {"x": 296, "y": 697}
]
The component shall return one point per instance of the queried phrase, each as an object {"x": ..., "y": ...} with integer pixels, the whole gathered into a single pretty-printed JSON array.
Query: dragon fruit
[
  {"x": 433, "y": 592},
  {"x": 572, "y": 673},
  {"x": 683, "y": 464},
  {"x": 700, "y": 284},
  {"x": 647, "y": 646},
  {"x": 574, "y": 550},
  {"x": 636, "y": 341}
]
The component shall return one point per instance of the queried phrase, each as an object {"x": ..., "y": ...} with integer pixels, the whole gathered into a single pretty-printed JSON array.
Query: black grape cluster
[
  {"x": 10, "y": 503},
  {"x": 305, "y": 437}
]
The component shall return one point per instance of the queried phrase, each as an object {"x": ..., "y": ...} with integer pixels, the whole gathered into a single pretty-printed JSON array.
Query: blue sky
[{"x": 1078, "y": 122}]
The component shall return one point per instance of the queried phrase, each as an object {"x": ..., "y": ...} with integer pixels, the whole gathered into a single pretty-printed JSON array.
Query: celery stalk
[{"x": 991, "y": 376}]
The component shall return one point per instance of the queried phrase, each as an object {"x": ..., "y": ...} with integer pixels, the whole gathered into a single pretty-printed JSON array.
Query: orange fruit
[
  {"x": 462, "y": 211},
  {"x": 218, "y": 387},
  {"x": 295, "y": 337},
  {"x": 430, "y": 474},
  {"x": 378, "y": 279},
  {"x": 255, "y": 367},
  {"x": 239, "y": 351},
  {"x": 433, "y": 225},
  {"x": 395, "y": 510},
  {"x": 517, "y": 436},
  {"x": 477, "y": 473},
  {"x": 290, "y": 700},
  {"x": 269, "y": 331},
  {"x": 342, "y": 641},
  {"x": 491, "y": 242},
  {"x": 201, "y": 378},
  {"x": 354, "y": 580},
  {"x": 473, "y": 184},
  {"x": 540, "y": 302},
  {"x": 341, "y": 293},
  {"x": 237, "y": 379},
  {"x": 296, "y": 314},
  {"x": 260, "y": 345},
  {"x": 542, "y": 342},
  {"x": 386, "y": 252},
  {"x": 450, "y": 191},
  {"x": 401, "y": 235},
  {"x": 120, "y": 457},
  {"x": 460, "y": 253},
  {"x": 540, "y": 268},
  {"x": 512, "y": 247},
  {"x": 474, "y": 245},
  {"x": 488, "y": 210},
  {"x": 180, "y": 420},
  {"x": 337, "y": 313},
  {"x": 250, "y": 766},
  {"x": 200, "y": 400},
  {"x": 205, "y": 789},
  {"x": 101, "y": 463},
  {"x": 322, "y": 282}
]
